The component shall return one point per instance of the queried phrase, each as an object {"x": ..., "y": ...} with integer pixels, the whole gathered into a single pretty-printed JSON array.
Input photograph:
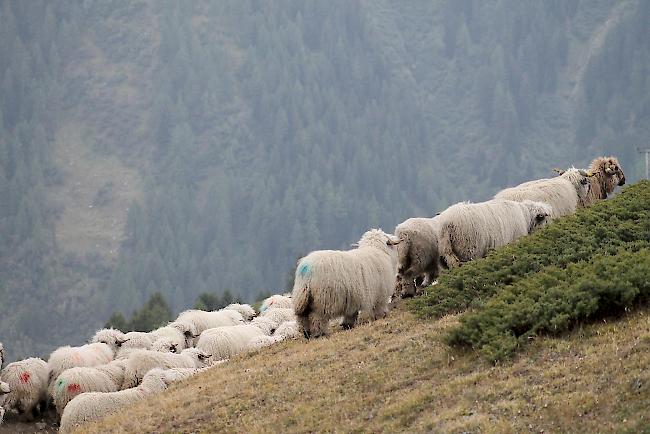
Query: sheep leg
[
  {"x": 451, "y": 260},
  {"x": 318, "y": 325},
  {"x": 349, "y": 321},
  {"x": 304, "y": 326},
  {"x": 408, "y": 288},
  {"x": 380, "y": 311}
]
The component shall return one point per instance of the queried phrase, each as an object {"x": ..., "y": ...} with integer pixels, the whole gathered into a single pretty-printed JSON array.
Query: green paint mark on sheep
[
  {"x": 60, "y": 385},
  {"x": 304, "y": 270}
]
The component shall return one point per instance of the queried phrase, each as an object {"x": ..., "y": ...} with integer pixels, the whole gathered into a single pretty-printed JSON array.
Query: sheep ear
[
  {"x": 559, "y": 171},
  {"x": 393, "y": 241}
]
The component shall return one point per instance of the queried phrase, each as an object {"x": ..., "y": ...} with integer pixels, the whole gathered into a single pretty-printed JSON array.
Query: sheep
[
  {"x": 142, "y": 361},
  {"x": 246, "y": 311},
  {"x": 27, "y": 383},
  {"x": 470, "y": 230},
  {"x": 259, "y": 342},
  {"x": 334, "y": 283},
  {"x": 73, "y": 381},
  {"x": 225, "y": 342},
  {"x": 417, "y": 254},
  {"x": 4, "y": 390},
  {"x": 288, "y": 329},
  {"x": 563, "y": 193},
  {"x": 607, "y": 174},
  {"x": 279, "y": 315},
  {"x": 165, "y": 345},
  {"x": 135, "y": 341},
  {"x": 112, "y": 337},
  {"x": 203, "y": 320},
  {"x": 67, "y": 357},
  {"x": 91, "y": 406},
  {"x": 276, "y": 301},
  {"x": 180, "y": 333}
]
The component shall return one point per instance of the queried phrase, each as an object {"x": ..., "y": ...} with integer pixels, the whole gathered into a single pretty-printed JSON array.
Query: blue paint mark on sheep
[{"x": 304, "y": 269}]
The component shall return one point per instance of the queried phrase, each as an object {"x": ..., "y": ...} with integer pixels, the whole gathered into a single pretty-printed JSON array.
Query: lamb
[
  {"x": 470, "y": 230},
  {"x": 26, "y": 381},
  {"x": 276, "y": 301},
  {"x": 225, "y": 342},
  {"x": 74, "y": 381},
  {"x": 203, "y": 320},
  {"x": 607, "y": 174},
  {"x": 67, "y": 357},
  {"x": 88, "y": 407},
  {"x": 142, "y": 361},
  {"x": 417, "y": 255},
  {"x": 563, "y": 193},
  {"x": 333, "y": 283}
]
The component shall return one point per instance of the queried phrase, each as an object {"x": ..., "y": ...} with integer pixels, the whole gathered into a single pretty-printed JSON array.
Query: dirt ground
[{"x": 47, "y": 423}]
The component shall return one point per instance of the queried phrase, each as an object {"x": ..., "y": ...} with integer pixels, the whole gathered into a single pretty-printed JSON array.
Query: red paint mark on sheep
[
  {"x": 74, "y": 388},
  {"x": 24, "y": 377}
]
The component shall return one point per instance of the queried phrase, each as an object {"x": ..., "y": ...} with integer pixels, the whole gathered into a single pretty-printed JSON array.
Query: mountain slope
[{"x": 395, "y": 375}]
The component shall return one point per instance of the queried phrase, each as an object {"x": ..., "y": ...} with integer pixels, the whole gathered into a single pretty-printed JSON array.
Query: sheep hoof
[{"x": 407, "y": 295}]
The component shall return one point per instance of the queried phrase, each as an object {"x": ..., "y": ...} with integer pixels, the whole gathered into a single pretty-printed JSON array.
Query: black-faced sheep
[
  {"x": 335, "y": 283},
  {"x": 470, "y": 230}
]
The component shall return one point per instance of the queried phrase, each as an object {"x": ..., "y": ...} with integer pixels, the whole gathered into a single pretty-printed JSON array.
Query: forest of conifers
[{"x": 192, "y": 147}]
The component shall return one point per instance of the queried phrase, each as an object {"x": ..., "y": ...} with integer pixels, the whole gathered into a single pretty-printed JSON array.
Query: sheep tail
[{"x": 301, "y": 292}]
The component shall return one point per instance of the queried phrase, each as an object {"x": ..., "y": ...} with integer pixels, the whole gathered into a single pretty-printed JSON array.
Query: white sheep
[
  {"x": 67, "y": 357},
  {"x": 279, "y": 315},
  {"x": 202, "y": 320},
  {"x": 417, "y": 254},
  {"x": 334, "y": 283},
  {"x": 225, "y": 342},
  {"x": 246, "y": 310},
  {"x": 27, "y": 383},
  {"x": 4, "y": 390},
  {"x": 142, "y": 361},
  {"x": 564, "y": 193},
  {"x": 180, "y": 333},
  {"x": 135, "y": 341},
  {"x": 165, "y": 345},
  {"x": 74, "y": 381},
  {"x": 288, "y": 329},
  {"x": 276, "y": 301},
  {"x": 112, "y": 337},
  {"x": 259, "y": 342},
  {"x": 88, "y": 407},
  {"x": 470, "y": 230}
]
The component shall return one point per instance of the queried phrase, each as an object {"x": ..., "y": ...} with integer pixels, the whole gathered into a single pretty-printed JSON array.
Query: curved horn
[
  {"x": 392, "y": 242},
  {"x": 609, "y": 171}
]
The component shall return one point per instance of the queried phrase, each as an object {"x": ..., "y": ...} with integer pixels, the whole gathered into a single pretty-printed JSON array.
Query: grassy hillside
[
  {"x": 583, "y": 279},
  {"x": 396, "y": 375}
]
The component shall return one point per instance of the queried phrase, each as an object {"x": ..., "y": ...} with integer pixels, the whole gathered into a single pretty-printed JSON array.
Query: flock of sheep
[{"x": 117, "y": 369}]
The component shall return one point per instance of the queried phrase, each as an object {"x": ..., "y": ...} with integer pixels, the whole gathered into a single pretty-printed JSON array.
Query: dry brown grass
[{"x": 396, "y": 376}]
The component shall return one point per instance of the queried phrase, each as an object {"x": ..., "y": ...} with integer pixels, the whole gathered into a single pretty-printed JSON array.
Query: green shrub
[{"x": 594, "y": 263}]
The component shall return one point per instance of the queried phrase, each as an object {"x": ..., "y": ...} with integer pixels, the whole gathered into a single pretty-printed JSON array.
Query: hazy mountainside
[{"x": 193, "y": 147}]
